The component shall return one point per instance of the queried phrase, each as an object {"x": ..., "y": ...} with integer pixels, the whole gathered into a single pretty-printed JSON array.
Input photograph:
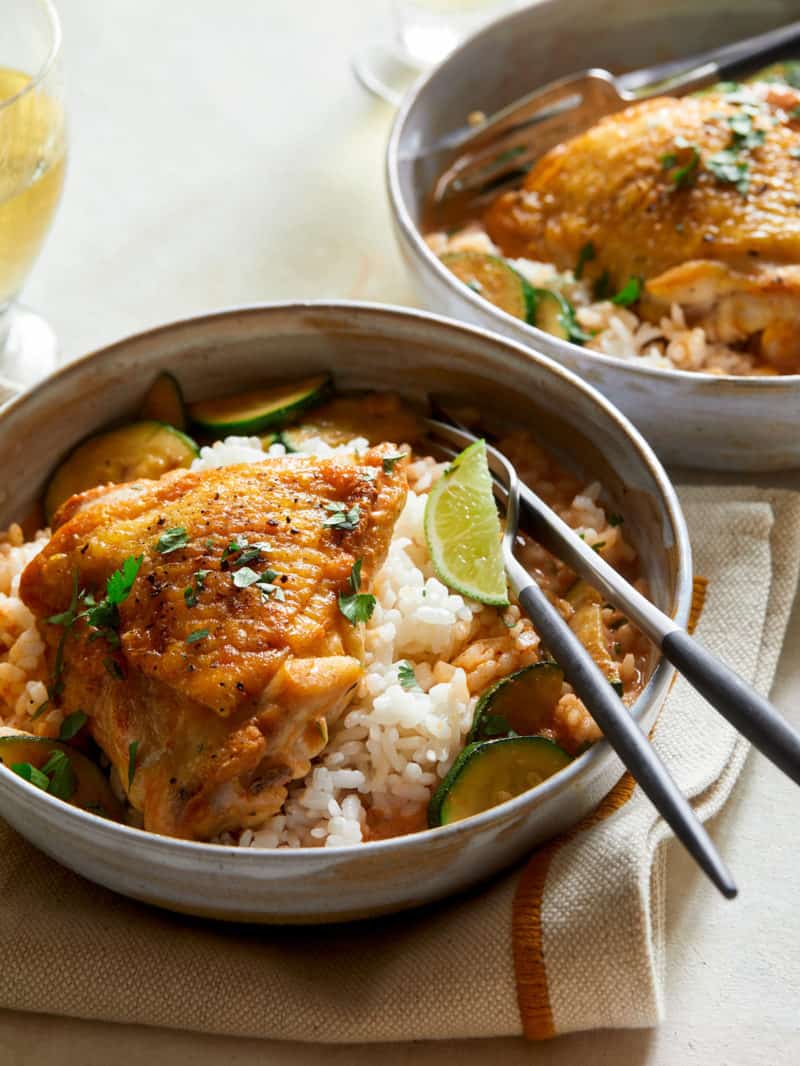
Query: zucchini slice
[
  {"x": 522, "y": 703},
  {"x": 163, "y": 402},
  {"x": 495, "y": 280},
  {"x": 80, "y": 782},
  {"x": 142, "y": 449},
  {"x": 555, "y": 315},
  {"x": 289, "y": 438},
  {"x": 261, "y": 409},
  {"x": 491, "y": 772},
  {"x": 587, "y": 624}
]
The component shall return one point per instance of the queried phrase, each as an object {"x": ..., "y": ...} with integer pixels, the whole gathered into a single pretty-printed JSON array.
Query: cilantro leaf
[
  {"x": 171, "y": 540},
  {"x": 681, "y": 175},
  {"x": 29, "y": 773},
  {"x": 629, "y": 293},
  {"x": 196, "y": 635},
  {"x": 569, "y": 323},
  {"x": 727, "y": 167},
  {"x": 602, "y": 287},
  {"x": 615, "y": 519},
  {"x": 390, "y": 461},
  {"x": 358, "y": 606},
  {"x": 120, "y": 583},
  {"x": 191, "y": 592},
  {"x": 587, "y": 254},
  {"x": 72, "y": 725},
  {"x": 244, "y": 577},
  {"x": 407, "y": 677},
  {"x": 133, "y": 748},
  {"x": 341, "y": 517},
  {"x": 62, "y": 782},
  {"x": 40, "y": 710},
  {"x": 67, "y": 618}
]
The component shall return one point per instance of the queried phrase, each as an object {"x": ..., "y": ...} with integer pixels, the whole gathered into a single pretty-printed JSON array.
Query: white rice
[
  {"x": 617, "y": 331},
  {"x": 393, "y": 744}
]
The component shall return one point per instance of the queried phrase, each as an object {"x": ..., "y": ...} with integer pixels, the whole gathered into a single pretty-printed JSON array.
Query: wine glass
[
  {"x": 419, "y": 34},
  {"x": 32, "y": 159}
]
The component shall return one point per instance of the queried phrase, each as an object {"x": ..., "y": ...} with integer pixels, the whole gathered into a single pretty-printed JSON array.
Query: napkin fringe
[{"x": 533, "y": 993}]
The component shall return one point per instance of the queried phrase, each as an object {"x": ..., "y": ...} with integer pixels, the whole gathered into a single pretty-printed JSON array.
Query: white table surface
[{"x": 221, "y": 154}]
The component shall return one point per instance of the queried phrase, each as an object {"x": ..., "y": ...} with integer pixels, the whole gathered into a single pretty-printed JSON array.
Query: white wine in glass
[{"x": 32, "y": 159}]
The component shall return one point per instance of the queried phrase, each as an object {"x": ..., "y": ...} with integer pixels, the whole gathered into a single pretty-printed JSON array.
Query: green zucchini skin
[
  {"x": 494, "y": 279},
  {"x": 259, "y": 410},
  {"x": 138, "y": 450},
  {"x": 489, "y": 772},
  {"x": 520, "y": 704}
]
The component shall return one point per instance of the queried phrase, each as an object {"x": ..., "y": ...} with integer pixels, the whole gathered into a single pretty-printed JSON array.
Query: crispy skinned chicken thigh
[
  {"x": 647, "y": 188},
  {"x": 225, "y": 685}
]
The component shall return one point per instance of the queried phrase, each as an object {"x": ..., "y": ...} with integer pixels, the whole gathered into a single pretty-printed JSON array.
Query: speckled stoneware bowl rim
[
  {"x": 413, "y": 235},
  {"x": 563, "y": 781}
]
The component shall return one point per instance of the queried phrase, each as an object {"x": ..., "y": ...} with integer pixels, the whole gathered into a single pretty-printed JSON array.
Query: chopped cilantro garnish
[
  {"x": 598, "y": 545},
  {"x": 60, "y": 774},
  {"x": 191, "y": 592},
  {"x": 602, "y": 287},
  {"x": 245, "y": 552},
  {"x": 67, "y": 618},
  {"x": 56, "y": 776},
  {"x": 358, "y": 606},
  {"x": 615, "y": 519},
  {"x": 72, "y": 725},
  {"x": 40, "y": 710},
  {"x": 196, "y": 635},
  {"x": 745, "y": 134},
  {"x": 683, "y": 173},
  {"x": 569, "y": 323},
  {"x": 341, "y": 517},
  {"x": 171, "y": 540},
  {"x": 727, "y": 167},
  {"x": 244, "y": 577},
  {"x": 104, "y": 616},
  {"x": 629, "y": 293},
  {"x": 390, "y": 461},
  {"x": 407, "y": 677},
  {"x": 133, "y": 748},
  {"x": 586, "y": 255},
  {"x": 29, "y": 773}
]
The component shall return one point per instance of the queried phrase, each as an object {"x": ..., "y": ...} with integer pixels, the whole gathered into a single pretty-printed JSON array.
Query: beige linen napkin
[{"x": 573, "y": 941}]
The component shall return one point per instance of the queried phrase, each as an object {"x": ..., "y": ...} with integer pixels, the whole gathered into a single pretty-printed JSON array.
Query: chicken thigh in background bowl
[
  {"x": 657, "y": 254},
  {"x": 233, "y": 683}
]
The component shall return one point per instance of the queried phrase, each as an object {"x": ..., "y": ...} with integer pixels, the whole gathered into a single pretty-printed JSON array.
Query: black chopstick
[{"x": 624, "y": 735}]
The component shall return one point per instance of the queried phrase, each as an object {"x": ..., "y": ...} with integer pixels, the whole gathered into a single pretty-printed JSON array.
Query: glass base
[
  {"x": 28, "y": 348},
  {"x": 385, "y": 71}
]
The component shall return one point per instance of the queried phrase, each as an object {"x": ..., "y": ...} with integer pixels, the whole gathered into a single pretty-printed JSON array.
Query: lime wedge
[{"x": 463, "y": 532}]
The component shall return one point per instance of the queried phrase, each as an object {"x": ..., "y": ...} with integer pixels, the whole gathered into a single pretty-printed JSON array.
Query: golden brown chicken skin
[
  {"x": 645, "y": 187},
  {"x": 225, "y": 685}
]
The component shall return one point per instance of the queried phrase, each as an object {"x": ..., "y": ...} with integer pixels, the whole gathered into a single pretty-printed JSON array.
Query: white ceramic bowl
[
  {"x": 700, "y": 420},
  {"x": 365, "y": 347}
]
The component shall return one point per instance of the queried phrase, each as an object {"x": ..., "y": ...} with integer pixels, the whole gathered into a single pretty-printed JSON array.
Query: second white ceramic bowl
[{"x": 698, "y": 420}]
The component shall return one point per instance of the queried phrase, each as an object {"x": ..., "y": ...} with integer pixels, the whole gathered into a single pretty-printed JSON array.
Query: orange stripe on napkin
[{"x": 533, "y": 993}]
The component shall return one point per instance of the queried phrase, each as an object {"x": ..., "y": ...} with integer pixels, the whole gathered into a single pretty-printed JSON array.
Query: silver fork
[{"x": 478, "y": 161}]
